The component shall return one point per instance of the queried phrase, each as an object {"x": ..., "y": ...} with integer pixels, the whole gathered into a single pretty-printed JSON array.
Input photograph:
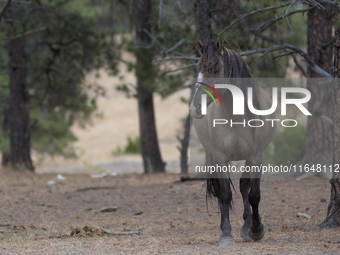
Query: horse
[{"x": 224, "y": 143}]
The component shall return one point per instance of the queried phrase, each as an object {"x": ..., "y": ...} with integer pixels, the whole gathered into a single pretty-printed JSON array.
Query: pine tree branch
[
  {"x": 242, "y": 17},
  {"x": 309, "y": 61},
  {"x": 270, "y": 22},
  {"x": 179, "y": 43},
  {"x": 175, "y": 58},
  {"x": 27, "y": 33},
  {"x": 178, "y": 69},
  {"x": 300, "y": 67},
  {"x": 264, "y": 51},
  {"x": 284, "y": 54},
  {"x": 4, "y": 8},
  {"x": 118, "y": 58},
  {"x": 313, "y": 3}
]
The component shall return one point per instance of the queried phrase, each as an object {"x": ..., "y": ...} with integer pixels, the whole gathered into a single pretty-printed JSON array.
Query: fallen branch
[
  {"x": 109, "y": 209},
  {"x": 8, "y": 231},
  {"x": 95, "y": 188},
  {"x": 5, "y": 224},
  {"x": 127, "y": 233},
  {"x": 303, "y": 215},
  {"x": 188, "y": 177}
]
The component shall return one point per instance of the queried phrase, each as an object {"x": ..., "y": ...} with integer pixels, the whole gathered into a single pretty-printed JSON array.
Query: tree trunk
[
  {"x": 19, "y": 122},
  {"x": 333, "y": 212},
  {"x": 185, "y": 145},
  {"x": 203, "y": 20},
  {"x": 227, "y": 14},
  {"x": 203, "y": 31},
  {"x": 152, "y": 159},
  {"x": 6, "y": 156},
  {"x": 319, "y": 131}
]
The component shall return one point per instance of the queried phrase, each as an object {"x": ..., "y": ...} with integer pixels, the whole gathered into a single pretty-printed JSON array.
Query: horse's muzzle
[{"x": 195, "y": 113}]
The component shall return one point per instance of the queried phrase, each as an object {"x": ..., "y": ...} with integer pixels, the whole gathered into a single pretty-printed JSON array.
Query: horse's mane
[
  {"x": 235, "y": 68},
  {"x": 234, "y": 65}
]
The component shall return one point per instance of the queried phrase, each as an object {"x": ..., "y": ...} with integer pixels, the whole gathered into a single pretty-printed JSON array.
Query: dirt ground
[{"x": 171, "y": 214}]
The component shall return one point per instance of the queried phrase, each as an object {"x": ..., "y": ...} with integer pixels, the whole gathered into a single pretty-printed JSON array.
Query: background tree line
[{"x": 48, "y": 47}]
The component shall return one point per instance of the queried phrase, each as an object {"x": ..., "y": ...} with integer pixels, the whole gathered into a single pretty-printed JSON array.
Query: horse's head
[{"x": 209, "y": 69}]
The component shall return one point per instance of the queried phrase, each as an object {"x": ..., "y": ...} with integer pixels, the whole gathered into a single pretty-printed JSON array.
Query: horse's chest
[{"x": 231, "y": 142}]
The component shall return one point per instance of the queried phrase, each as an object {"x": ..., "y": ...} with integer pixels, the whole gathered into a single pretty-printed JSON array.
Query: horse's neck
[
  {"x": 227, "y": 97},
  {"x": 226, "y": 110},
  {"x": 227, "y": 104}
]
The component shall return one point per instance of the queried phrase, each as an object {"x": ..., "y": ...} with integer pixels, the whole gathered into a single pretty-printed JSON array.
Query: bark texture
[
  {"x": 185, "y": 145},
  {"x": 203, "y": 20},
  {"x": 6, "y": 156},
  {"x": 333, "y": 212},
  {"x": 319, "y": 131},
  {"x": 152, "y": 159},
  {"x": 203, "y": 31},
  {"x": 18, "y": 113}
]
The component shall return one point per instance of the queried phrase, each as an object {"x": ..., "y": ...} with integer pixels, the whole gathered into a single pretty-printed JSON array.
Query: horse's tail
[
  {"x": 210, "y": 189},
  {"x": 213, "y": 193}
]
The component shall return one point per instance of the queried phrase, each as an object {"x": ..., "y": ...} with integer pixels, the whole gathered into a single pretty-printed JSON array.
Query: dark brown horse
[{"x": 225, "y": 143}]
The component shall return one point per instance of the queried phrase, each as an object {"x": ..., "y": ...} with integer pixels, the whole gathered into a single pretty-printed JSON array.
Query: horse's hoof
[
  {"x": 257, "y": 235},
  {"x": 245, "y": 234},
  {"x": 225, "y": 240}
]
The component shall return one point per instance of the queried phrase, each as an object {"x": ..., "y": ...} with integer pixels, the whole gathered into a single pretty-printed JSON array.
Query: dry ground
[{"x": 171, "y": 214}]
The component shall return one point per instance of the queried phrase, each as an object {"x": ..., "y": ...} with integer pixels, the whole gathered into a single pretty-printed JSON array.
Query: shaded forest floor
[{"x": 172, "y": 215}]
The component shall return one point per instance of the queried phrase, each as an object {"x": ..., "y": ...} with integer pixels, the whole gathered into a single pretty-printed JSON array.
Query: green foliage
[
  {"x": 336, "y": 20},
  {"x": 4, "y": 142},
  {"x": 245, "y": 37},
  {"x": 176, "y": 22},
  {"x": 17, "y": 28},
  {"x": 60, "y": 96},
  {"x": 287, "y": 147},
  {"x": 133, "y": 146},
  {"x": 66, "y": 46},
  {"x": 80, "y": 36},
  {"x": 52, "y": 134},
  {"x": 153, "y": 76},
  {"x": 266, "y": 67},
  {"x": 167, "y": 34}
]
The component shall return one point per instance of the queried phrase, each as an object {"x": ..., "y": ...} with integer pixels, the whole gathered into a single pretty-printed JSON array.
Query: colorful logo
[{"x": 213, "y": 90}]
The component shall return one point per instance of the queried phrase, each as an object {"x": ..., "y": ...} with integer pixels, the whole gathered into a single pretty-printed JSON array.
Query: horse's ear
[
  {"x": 219, "y": 46},
  {"x": 199, "y": 46}
]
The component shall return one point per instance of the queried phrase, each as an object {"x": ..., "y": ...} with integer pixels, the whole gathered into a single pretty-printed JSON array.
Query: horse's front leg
[
  {"x": 225, "y": 199},
  {"x": 256, "y": 228}
]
